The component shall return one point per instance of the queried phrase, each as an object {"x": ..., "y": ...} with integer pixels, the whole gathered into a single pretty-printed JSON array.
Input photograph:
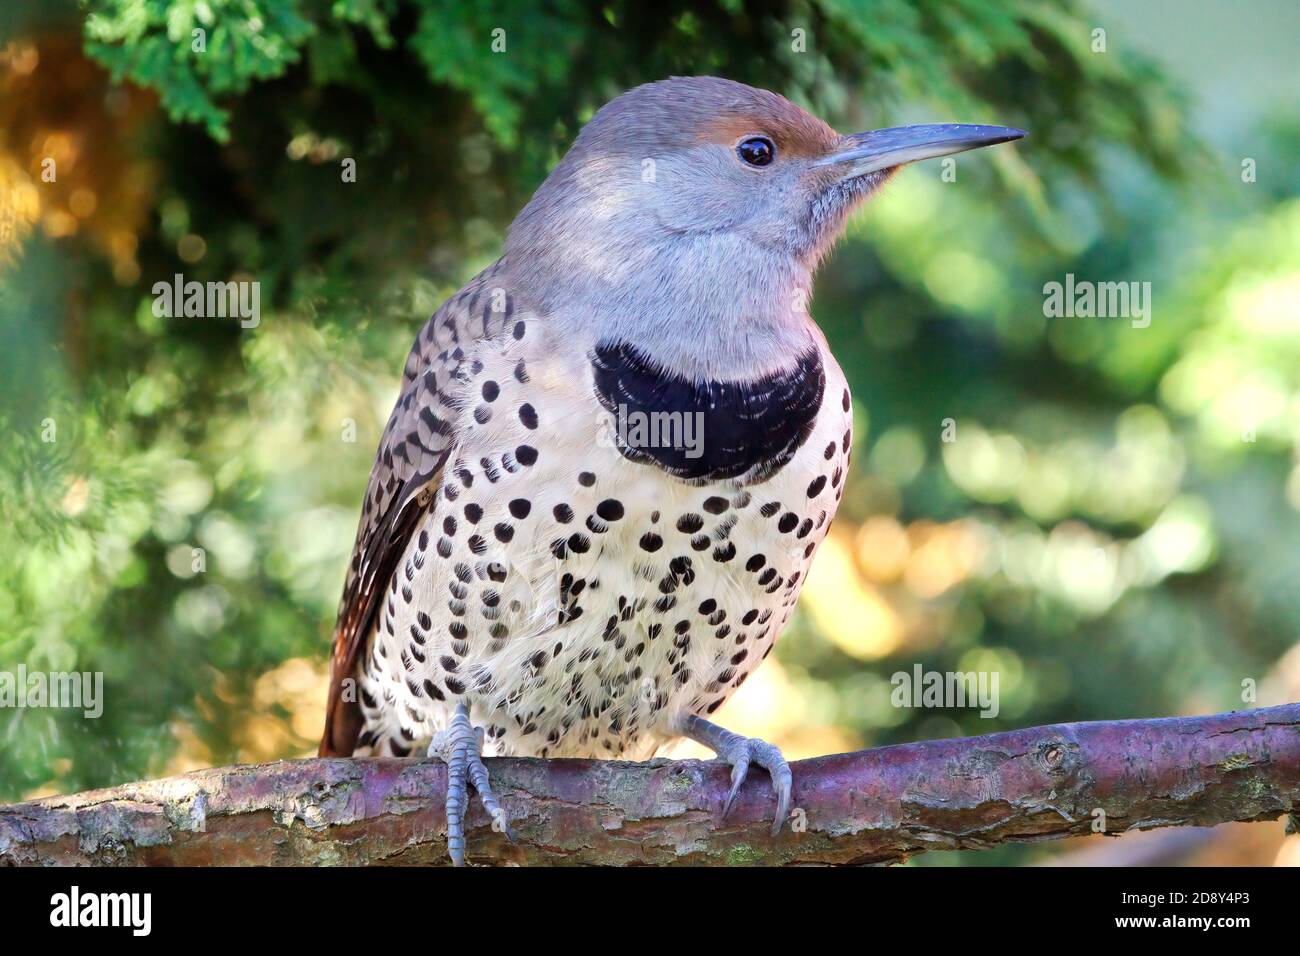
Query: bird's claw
[
  {"x": 460, "y": 746},
  {"x": 740, "y": 752},
  {"x": 746, "y": 750}
]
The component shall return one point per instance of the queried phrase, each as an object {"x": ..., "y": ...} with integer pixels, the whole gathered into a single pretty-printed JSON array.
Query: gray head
[{"x": 689, "y": 215}]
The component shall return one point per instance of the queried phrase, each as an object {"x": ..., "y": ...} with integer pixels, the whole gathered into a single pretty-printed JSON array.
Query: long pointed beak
[{"x": 878, "y": 149}]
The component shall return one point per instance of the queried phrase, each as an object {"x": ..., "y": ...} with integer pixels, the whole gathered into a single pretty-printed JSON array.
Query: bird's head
[{"x": 705, "y": 196}]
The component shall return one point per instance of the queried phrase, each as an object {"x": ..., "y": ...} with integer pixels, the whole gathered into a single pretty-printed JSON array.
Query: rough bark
[{"x": 878, "y": 805}]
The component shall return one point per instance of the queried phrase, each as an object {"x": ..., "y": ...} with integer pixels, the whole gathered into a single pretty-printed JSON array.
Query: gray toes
[
  {"x": 458, "y": 746},
  {"x": 751, "y": 750},
  {"x": 479, "y": 777},
  {"x": 781, "y": 783},
  {"x": 770, "y": 758},
  {"x": 740, "y": 752},
  {"x": 739, "y": 771}
]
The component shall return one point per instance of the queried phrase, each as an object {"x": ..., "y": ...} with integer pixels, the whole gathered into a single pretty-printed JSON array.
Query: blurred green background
[{"x": 1113, "y": 531}]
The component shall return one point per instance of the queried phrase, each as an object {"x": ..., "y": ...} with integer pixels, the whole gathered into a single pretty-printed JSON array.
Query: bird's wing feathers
[{"x": 418, "y": 440}]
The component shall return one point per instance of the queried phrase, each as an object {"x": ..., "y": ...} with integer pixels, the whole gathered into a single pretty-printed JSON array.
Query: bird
[{"x": 615, "y": 451}]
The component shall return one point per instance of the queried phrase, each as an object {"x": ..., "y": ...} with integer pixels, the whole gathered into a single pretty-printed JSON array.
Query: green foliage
[
  {"x": 194, "y": 51},
  {"x": 966, "y": 55},
  {"x": 449, "y": 40}
]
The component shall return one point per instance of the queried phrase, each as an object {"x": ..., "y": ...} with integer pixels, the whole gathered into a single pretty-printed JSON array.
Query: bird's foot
[
  {"x": 460, "y": 747},
  {"x": 740, "y": 752}
]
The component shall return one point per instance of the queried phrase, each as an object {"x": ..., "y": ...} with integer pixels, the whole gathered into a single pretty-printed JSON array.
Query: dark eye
[{"x": 756, "y": 151}]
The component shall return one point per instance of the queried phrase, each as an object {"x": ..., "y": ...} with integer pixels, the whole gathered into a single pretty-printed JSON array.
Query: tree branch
[{"x": 878, "y": 805}]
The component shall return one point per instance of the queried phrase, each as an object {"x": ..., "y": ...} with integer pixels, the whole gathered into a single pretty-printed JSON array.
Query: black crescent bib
[{"x": 711, "y": 430}]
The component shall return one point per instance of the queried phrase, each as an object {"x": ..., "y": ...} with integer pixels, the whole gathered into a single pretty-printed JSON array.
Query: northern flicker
[{"x": 616, "y": 450}]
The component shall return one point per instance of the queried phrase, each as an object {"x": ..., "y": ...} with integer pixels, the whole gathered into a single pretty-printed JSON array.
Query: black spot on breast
[
  {"x": 715, "y": 505},
  {"x": 651, "y": 542},
  {"x": 740, "y": 428},
  {"x": 520, "y": 507},
  {"x": 473, "y": 512},
  {"x": 528, "y": 415},
  {"x": 689, "y": 523},
  {"x": 586, "y": 479},
  {"x": 490, "y": 391},
  {"x": 610, "y": 509},
  {"x": 563, "y": 513},
  {"x": 526, "y": 455}
]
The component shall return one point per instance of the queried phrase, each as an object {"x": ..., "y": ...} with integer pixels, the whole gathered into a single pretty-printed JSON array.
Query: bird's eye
[{"x": 756, "y": 151}]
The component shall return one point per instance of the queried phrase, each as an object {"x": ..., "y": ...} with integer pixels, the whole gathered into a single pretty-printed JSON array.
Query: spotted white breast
[{"x": 578, "y": 596}]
